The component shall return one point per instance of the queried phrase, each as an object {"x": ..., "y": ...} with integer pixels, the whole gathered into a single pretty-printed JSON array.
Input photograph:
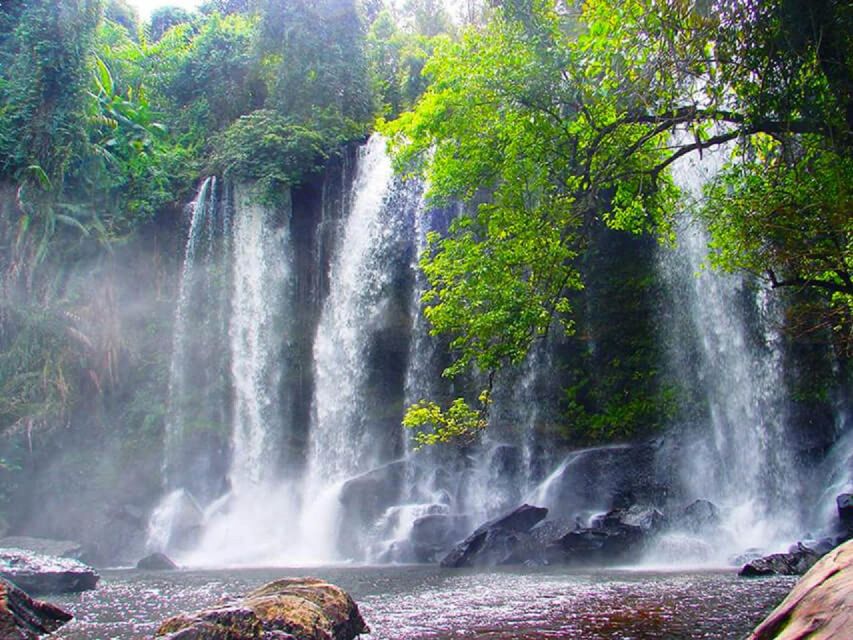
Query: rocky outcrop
[
  {"x": 700, "y": 516},
  {"x": 46, "y": 546},
  {"x": 820, "y": 607},
  {"x": 505, "y": 540},
  {"x": 793, "y": 563},
  {"x": 844, "y": 504},
  {"x": 435, "y": 533},
  {"x": 156, "y": 562},
  {"x": 287, "y": 609},
  {"x": 40, "y": 574},
  {"x": 23, "y": 618}
]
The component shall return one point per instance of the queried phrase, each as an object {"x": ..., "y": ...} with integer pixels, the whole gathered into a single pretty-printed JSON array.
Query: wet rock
[
  {"x": 820, "y": 606},
  {"x": 746, "y": 556},
  {"x": 700, "y": 516},
  {"x": 45, "y": 546},
  {"x": 602, "y": 478},
  {"x": 604, "y": 544},
  {"x": 23, "y": 618},
  {"x": 786, "y": 564},
  {"x": 648, "y": 519},
  {"x": 549, "y": 531},
  {"x": 504, "y": 540},
  {"x": 844, "y": 503},
  {"x": 366, "y": 497},
  {"x": 156, "y": 562},
  {"x": 40, "y": 574},
  {"x": 287, "y": 609},
  {"x": 434, "y": 534}
]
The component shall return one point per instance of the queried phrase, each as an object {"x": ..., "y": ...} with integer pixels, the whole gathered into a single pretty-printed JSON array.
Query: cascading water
[
  {"x": 197, "y": 395},
  {"x": 258, "y": 343},
  {"x": 346, "y": 436},
  {"x": 739, "y": 457}
]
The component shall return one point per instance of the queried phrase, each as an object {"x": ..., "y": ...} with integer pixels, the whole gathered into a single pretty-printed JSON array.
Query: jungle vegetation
[{"x": 549, "y": 118}]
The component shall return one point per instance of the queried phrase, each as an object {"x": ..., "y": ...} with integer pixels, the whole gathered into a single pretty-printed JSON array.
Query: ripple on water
[{"x": 427, "y": 603}]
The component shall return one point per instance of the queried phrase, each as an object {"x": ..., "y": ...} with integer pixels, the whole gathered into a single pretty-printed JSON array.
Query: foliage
[
  {"x": 563, "y": 118},
  {"x": 165, "y": 18},
  {"x": 315, "y": 66},
  {"x": 267, "y": 148},
  {"x": 458, "y": 424}
]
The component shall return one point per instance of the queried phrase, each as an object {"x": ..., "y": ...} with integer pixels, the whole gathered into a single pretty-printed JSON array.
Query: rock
[
  {"x": 23, "y": 618},
  {"x": 700, "y": 516},
  {"x": 434, "y": 534},
  {"x": 156, "y": 562},
  {"x": 504, "y": 540},
  {"x": 45, "y": 546},
  {"x": 648, "y": 519},
  {"x": 287, "y": 609},
  {"x": 820, "y": 606},
  {"x": 844, "y": 502},
  {"x": 39, "y": 574},
  {"x": 522, "y": 519},
  {"x": 603, "y": 544},
  {"x": 177, "y": 521},
  {"x": 365, "y": 498},
  {"x": 602, "y": 478},
  {"x": 549, "y": 531},
  {"x": 786, "y": 564}
]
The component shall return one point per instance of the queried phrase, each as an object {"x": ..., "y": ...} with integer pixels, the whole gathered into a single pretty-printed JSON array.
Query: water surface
[{"x": 418, "y": 602}]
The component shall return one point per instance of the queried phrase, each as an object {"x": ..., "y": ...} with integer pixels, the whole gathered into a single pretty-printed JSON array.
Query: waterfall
[
  {"x": 724, "y": 341},
  {"x": 195, "y": 386},
  {"x": 261, "y": 278},
  {"x": 350, "y": 432}
]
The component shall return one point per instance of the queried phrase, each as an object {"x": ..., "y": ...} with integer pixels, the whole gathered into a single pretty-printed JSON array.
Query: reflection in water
[{"x": 420, "y": 603}]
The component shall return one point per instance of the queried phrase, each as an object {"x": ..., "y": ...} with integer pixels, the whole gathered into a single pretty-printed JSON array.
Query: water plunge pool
[{"x": 426, "y": 602}]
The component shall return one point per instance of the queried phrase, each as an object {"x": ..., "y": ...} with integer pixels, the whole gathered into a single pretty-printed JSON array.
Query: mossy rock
[{"x": 287, "y": 609}]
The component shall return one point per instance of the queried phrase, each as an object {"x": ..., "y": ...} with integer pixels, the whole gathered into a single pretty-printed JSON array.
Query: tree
[
  {"x": 165, "y": 18},
  {"x": 566, "y": 118}
]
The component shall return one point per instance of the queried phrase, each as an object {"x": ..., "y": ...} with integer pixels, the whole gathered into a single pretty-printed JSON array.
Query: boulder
[
  {"x": 287, "y": 609},
  {"x": 844, "y": 503},
  {"x": 820, "y": 606},
  {"x": 434, "y": 534},
  {"x": 700, "y": 516},
  {"x": 39, "y": 574},
  {"x": 604, "y": 544},
  {"x": 504, "y": 540},
  {"x": 23, "y": 618},
  {"x": 601, "y": 478},
  {"x": 648, "y": 519},
  {"x": 794, "y": 563},
  {"x": 45, "y": 546},
  {"x": 156, "y": 562},
  {"x": 365, "y": 497}
]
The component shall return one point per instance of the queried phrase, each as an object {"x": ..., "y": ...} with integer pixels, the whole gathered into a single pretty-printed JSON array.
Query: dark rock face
[
  {"x": 608, "y": 543},
  {"x": 435, "y": 533},
  {"x": 606, "y": 478},
  {"x": 23, "y": 618},
  {"x": 794, "y": 563},
  {"x": 40, "y": 574},
  {"x": 365, "y": 497},
  {"x": 505, "y": 540},
  {"x": 699, "y": 516},
  {"x": 156, "y": 562},
  {"x": 648, "y": 519},
  {"x": 844, "y": 502},
  {"x": 287, "y": 609}
]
